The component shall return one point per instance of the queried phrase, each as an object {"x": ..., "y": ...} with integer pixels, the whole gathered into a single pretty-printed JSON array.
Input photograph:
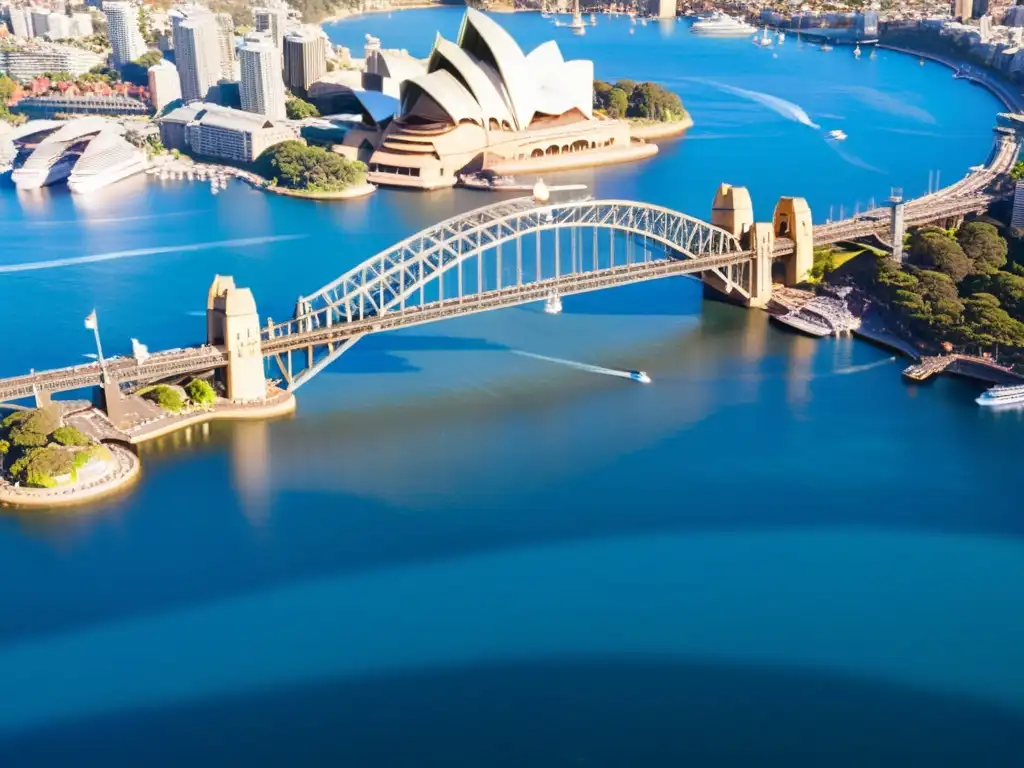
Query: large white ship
[
  {"x": 1001, "y": 396},
  {"x": 722, "y": 25},
  {"x": 107, "y": 159}
]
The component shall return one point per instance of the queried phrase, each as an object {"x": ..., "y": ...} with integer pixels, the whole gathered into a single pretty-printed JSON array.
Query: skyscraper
[
  {"x": 262, "y": 86},
  {"x": 305, "y": 58},
  {"x": 197, "y": 53},
  {"x": 123, "y": 31},
  {"x": 58, "y": 26},
  {"x": 226, "y": 45},
  {"x": 164, "y": 85},
  {"x": 19, "y": 22},
  {"x": 963, "y": 9},
  {"x": 271, "y": 21}
]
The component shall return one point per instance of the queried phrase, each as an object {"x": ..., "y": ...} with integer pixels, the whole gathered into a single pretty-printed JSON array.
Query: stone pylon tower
[{"x": 233, "y": 323}]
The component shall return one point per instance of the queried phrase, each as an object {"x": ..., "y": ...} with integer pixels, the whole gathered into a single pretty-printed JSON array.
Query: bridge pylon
[
  {"x": 233, "y": 323},
  {"x": 761, "y": 240},
  {"x": 792, "y": 220},
  {"x": 732, "y": 210}
]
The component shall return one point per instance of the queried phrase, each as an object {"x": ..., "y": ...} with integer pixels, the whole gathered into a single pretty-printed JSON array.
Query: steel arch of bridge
[{"x": 396, "y": 279}]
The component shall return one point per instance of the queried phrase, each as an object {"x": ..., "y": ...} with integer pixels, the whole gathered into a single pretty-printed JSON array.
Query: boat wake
[
  {"x": 865, "y": 367},
  {"x": 787, "y": 109},
  {"x": 577, "y": 365},
  {"x": 114, "y": 255}
]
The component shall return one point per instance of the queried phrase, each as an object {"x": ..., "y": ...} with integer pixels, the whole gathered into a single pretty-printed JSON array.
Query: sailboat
[
  {"x": 576, "y": 25},
  {"x": 781, "y": 38},
  {"x": 764, "y": 40},
  {"x": 856, "y": 52}
]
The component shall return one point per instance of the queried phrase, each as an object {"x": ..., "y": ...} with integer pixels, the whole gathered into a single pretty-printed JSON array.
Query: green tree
[
  {"x": 7, "y": 88},
  {"x": 988, "y": 324},
  {"x": 69, "y": 436},
  {"x": 200, "y": 392},
  {"x": 1009, "y": 289},
  {"x": 166, "y": 397},
  {"x": 5, "y": 448},
  {"x": 137, "y": 72},
  {"x": 297, "y": 109},
  {"x": 932, "y": 250},
  {"x": 984, "y": 246},
  {"x": 1017, "y": 172}
]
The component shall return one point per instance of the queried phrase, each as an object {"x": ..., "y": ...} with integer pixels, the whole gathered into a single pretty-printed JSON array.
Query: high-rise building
[
  {"x": 81, "y": 25},
  {"x": 662, "y": 9},
  {"x": 1017, "y": 217},
  {"x": 963, "y": 9},
  {"x": 164, "y": 85},
  {"x": 58, "y": 26},
  {"x": 19, "y": 23},
  {"x": 197, "y": 54},
  {"x": 305, "y": 58},
  {"x": 979, "y": 8},
  {"x": 271, "y": 21},
  {"x": 40, "y": 18},
  {"x": 262, "y": 88},
  {"x": 226, "y": 45},
  {"x": 123, "y": 31}
]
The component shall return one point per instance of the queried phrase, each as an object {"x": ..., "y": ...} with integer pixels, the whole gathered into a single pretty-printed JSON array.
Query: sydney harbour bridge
[{"x": 510, "y": 253}]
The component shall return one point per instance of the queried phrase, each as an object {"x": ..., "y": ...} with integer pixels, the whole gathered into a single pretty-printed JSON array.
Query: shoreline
[
  {"x": 1009, "y": 99},
  {"x": 351, "y": 193},
  {"x": 69, "y": 496}
]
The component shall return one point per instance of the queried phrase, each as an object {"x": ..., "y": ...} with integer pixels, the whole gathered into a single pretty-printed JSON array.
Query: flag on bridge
[{"x": 90, "y": 321}]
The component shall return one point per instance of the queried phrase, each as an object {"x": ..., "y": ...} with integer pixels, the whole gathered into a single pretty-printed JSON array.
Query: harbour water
[{"x": 458, "y": 555}]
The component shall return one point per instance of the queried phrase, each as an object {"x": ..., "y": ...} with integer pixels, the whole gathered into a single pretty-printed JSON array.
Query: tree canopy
[
  {"x": 314, "y": 169},
  {"x": 983, "y": 245},
  {"x": 932, "y": 248},
  {"x": 647, "y": 101},
  {"x": 137, "y": 71},
  {"x": 298, "y": 109}
]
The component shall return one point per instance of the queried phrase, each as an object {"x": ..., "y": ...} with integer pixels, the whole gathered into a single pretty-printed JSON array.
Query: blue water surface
[{"x": 457, "y": 555}]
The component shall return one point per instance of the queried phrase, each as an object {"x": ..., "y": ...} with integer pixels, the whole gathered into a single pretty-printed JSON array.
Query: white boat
[
  {"x": 593, "y": 19},
  {"x": 1000, "y": 396},
  {"x": 872, "y": 55},
  {"x": 553, "y": 306},
  {"x": 764, "y": 40},
  {"x": 643, "y": 22},
  {"x": 640, "y": 376},
  {"x": 837, "y": 135},
  {"x": 826, "y": 47},
  {"x": 856, "y": 52},
  {"x": 722, "y": 25},
  {"x": 781, "y": 38}
]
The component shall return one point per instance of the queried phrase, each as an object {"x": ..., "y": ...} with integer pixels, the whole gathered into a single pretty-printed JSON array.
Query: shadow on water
[{"x": 602, "y": 712}]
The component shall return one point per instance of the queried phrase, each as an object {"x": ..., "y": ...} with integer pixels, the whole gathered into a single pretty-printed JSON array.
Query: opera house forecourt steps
[{"x": 484, "y": 104}]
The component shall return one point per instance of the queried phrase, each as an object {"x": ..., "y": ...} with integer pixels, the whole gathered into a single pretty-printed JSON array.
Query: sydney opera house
[{"x": 484, "y": 104}]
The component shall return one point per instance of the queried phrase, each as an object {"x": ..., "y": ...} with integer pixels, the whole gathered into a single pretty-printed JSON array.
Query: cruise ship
[
  {"x": 107, "y": 159},
  {"x": 1000, "y": 396},
  {"x": 722, "y": 25},
  {"x": 47, "y": 171}
]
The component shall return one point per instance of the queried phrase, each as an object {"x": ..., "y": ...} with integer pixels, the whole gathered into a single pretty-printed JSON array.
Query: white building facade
[
  {"x": 197, "y": 54},
  {"x": 164, "y": 84},
  {"x": 262, "y": 87},
  {"x": 123, "y": 32}
]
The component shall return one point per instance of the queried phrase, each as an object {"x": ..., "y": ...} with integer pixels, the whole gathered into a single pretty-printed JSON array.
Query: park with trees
[
  {"x": 297, "y": 166},
  {"x": 629, "y": 100},
  {"x": 38, "y": 451},
  {"x": 963, "y": 287}
]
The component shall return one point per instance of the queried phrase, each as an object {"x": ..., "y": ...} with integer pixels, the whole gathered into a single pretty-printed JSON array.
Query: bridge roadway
[
  {"x": 500, "y": 298},
  {"x": 971, "y": 194},
  {"x": 196, "y": 360}
]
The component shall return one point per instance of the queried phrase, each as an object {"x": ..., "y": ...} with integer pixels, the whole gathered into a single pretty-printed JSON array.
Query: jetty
[{"x": 971, "y": 366}]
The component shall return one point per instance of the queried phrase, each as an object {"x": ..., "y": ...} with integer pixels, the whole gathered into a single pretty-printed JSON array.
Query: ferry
[
  {"x": 1000, "y": 396},
  {"x": 640, "y": 376},
  {"x": 722, "y": 25},
  {"x": 837, "y": 135}
]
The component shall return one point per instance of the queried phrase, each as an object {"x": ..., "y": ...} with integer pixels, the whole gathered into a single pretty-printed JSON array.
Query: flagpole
[{"x": 92, "y": 322}]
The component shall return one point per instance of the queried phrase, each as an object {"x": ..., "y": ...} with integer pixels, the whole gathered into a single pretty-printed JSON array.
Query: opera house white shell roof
[{"x": 486, "y": 79}]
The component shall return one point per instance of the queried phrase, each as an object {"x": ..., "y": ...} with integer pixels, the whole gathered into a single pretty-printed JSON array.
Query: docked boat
[
  {"x": 553, "y": 305},
  {"x": 1001, "y": 396},
  {"x": 722, "y": 25},
  {"x": 763, "y": 40},
  {"x": 837, "y": 135},
  {"x": 640, "y": 376},
  {"x": 107, "y": 159}
]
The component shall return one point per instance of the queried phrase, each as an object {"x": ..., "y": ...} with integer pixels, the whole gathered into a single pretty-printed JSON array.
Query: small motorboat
[
  {"x": 837, "y": 135},
  {"x": 826, "y": 47},
  {"x": 553, "y": 306},
  {"x": 640, "y": 376},
  {"x": 856, "y": 52}
]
